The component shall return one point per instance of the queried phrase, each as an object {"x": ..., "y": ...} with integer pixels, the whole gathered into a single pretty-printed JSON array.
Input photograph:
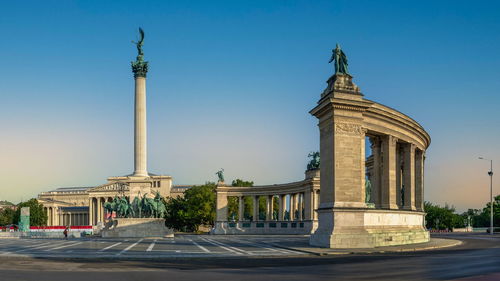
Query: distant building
[
  {"x": 70, "y": 206},
  {"x": 7, "y": 205}
]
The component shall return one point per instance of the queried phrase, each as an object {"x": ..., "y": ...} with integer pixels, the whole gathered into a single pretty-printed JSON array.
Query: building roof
[{"x": 71, "y": 189}]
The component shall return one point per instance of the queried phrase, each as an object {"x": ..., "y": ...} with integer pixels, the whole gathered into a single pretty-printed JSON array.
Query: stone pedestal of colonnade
[
  {"x": 345, "y": 220},
  {"x": 221, "y": 208}
]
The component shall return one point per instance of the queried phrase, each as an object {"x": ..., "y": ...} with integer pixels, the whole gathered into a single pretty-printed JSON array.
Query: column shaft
[
  {"x": 91, "y": 211},
  {"x": 419, "y": 180},
  {"x": 399, "y": 176},
  {"x": 140, "y": 132},
  {"x": 269, "y": 207},
  {"x": 292, "y": 207},
  {"x": 241, "y": 208},
  {"x": 255, "y": 208},
  {"x": 300, "y": 206},
  {"x": 282, "y": 203},
  {"x": 409, "y": 179},
  {"x": 375, "y": 181},
  {"x": 389, "y": 173},
  {"x": 308, "y": 205}
]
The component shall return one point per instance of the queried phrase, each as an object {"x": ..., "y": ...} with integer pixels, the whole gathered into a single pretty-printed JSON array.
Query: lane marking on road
[
  {"x": 64, "y": 246},
  {"x": 270, "y": 248},
  {"x": 109, "y": 247},
  {"x": 8, "y": 251},
  {"x": 226, "y": 247},
  {"x": 199, "y": 246},
  {"x": 150, "y": 248},
  {"x": 129, "y": 247},
  {"x": 40, "y": 247}
]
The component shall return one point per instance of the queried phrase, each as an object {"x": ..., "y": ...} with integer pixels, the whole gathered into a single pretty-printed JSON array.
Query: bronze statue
[
  {"x": 220, "y": 174},
  {"x": 368, "y": 191},
  {"x": 340, "y": 60},
  {"x": 315, "y": 161},
  {"x": 139, "y": 208},
  {"x": 140, "y": 43},
  {"x": 139, "y": 66}
]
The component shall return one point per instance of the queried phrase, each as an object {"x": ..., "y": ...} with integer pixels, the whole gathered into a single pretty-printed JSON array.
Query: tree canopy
[
  {"x": 445, "y": 217},
  {"x": 38, "y": 216},
  {"x": 7, "y": 216},
  {"x": 196, "y": 208}
]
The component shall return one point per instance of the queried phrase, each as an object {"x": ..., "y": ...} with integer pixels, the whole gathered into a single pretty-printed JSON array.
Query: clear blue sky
[{"x": 231, "y": 83}]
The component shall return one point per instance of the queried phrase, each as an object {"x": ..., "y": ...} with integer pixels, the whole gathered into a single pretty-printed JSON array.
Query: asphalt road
[{"x": 478, "y": 258}]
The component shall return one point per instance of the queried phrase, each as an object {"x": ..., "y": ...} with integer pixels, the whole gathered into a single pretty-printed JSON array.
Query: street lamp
[{"x": 490, "y": 173}]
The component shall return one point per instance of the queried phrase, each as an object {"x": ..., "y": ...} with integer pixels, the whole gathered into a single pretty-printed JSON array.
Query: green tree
[
  {"x": 485, "y": 214},
  {"x": 38, "y": 216},
  {"x": 177, "y": 216},
  {"x": 7, "y": 216},
  {"x": 196, "y": 208},
  {"x": 442, "y": 217}
]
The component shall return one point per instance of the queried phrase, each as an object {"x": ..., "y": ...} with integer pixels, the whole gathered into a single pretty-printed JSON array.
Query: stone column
[
  {"x": 375, "y": 181},
  {"x": 255, "y": 208},
  {"x": 241, "y": 208},
  {"x": 269, "y": 204},
  {"x": 140, "y": 68},
  {"x": 409, "y": 177},
  {"x": 221, "y": 206},
  {"x": 308, "y": 205},
  {"x": 419, "y": 180},
  {"x": 99, "y": 210},
  {"x": 388, "y": 190},
  {"x": 91, "y": 211},
  {"x": 282, "y": 203},
  {"x": 292, "y": 207},
  {"x": 399, "y": 176},
  {"x": 317, "y": 198},
  {"x": 300, "y": 207}
]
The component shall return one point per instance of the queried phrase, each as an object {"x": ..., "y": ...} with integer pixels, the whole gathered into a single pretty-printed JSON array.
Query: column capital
[{"x": 374, "y": 141}]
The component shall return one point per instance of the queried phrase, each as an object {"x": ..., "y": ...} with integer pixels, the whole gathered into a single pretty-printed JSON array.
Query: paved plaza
[
  {"x": 240, "y": 258},
  {"x": 180, "y": 246}
]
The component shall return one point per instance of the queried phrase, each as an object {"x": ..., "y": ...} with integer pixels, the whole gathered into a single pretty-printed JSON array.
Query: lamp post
[{"x": 490, "y": 173}]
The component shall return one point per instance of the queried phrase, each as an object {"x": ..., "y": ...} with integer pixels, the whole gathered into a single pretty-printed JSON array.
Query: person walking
[{"x": 65, "y": 232}]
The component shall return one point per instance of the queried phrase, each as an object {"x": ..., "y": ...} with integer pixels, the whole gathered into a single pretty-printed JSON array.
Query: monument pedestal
[
  {"x": 136, "y": 228},
  {"x": 357, "y": 228}
]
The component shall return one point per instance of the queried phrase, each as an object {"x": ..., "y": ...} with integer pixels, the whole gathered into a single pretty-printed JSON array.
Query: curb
[{"x": 381, "y": 251}]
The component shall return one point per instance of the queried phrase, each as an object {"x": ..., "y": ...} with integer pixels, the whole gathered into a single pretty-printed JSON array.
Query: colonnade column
[
  {"x": 54, "y": 216},
  {"x": 316, "y": 204},
  {"x": 399, "y": 176},
  {"x": 292, "y": 207},
  {"x": 300, "y": 203},
  {"x": 99, "y": 209},
  {"x": 255, "y": 208},
  {"x": 269, "y": 207},
  {"x": 91, "y": 211},
  {"x": 375, "y": 177},
  {"x": 241, "y": 208},
  {"x": 282, "y": 203},
  {"x": 409, "y": 177},
  {"x": 388, "y": 190},
  {"x": 419, "y": 180},
  {"x": 309, "y": 205}
]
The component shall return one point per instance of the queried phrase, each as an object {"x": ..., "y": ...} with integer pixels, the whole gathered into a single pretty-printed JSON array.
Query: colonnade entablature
[{"x": 288, "y": 208}]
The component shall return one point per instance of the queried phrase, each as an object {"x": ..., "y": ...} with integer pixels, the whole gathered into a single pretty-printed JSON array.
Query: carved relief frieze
[{"x": 349, "y": 129}]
